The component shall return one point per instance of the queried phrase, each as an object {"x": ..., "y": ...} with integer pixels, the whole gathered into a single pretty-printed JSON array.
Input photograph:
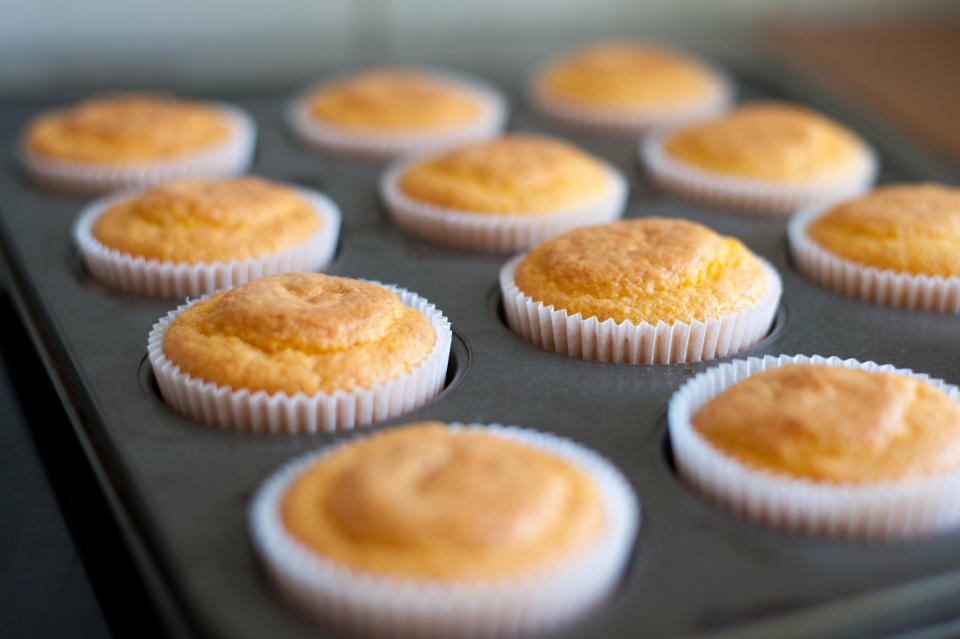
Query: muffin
[
  {"x": 301, "y": 352},
  {"x": 191, "y": 237},
  {"x": 898, "y": 245},
  {"x": 136, "y": 140},
  {"x": 629, "y": 86},
  {"x": 645, "y": 291},
  {"x": 391, "y": 111},
  {"x": 822, "y": 446},
  {"x": 762, "y": 157},
  {"x": 436, "y": 530},
  {"x": 502, "y": 195}
]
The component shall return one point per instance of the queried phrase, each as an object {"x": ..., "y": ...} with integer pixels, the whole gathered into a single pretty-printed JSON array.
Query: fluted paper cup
[
  {"x": 887, "y": 510},
  {"x": 136, "y": 274},
  {"x": 260, "y": 411},
  {"x": 869, "y": 283},
  {"x": 503, "y": 232},
  {"x": 751, "y": 195},
  {"x": 374, "y": 605},
  {"x": 384, "y": 144},
  {"x": 230, "y": 157},
  {"x": 632, "y": 121},
  {"x": 644, "y": 343}
]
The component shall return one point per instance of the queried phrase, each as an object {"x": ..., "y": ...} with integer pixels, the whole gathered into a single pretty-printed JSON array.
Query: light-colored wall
[{"x": 50, "y": 44}]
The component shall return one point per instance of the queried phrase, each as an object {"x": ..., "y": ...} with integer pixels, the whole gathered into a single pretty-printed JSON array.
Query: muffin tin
[{"x": 180, "y": 490}]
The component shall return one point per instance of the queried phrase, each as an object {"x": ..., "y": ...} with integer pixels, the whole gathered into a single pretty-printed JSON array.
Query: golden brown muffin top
[
  {"x": 425, "y": 500},
  {"x": 644, "y": 270},
  {"x": 513, "y": 174},
  {"x": 627, "y": 75},
  {"x": 208, "y": 220},
  {"x": 127, "y": 127},
  {"x": 299, "y": 332},
  {"x": 768, "y": 140},
  {"x": 397, "y": 100},
  {"x": 913, "y": 228},
  {"x": 835, "y": 424}
]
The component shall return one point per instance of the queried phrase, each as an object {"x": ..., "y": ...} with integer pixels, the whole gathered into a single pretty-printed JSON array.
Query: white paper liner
[
  {"x": 888, "y": 510},
  {"x": 869, "y": 283},
  {"x": 751, "y": 195},
  {"x": 368, "y": 605},
  {"x": 231, "y": 157},
  {"x": 384, "y": 144},
  {"x": 130, "y": 274},
  {"x": 622, "y": 121},
  {"x": 279, "y": 412},
  {"x": 644, "y": 343},
  {"x": 494, "y": 231}
]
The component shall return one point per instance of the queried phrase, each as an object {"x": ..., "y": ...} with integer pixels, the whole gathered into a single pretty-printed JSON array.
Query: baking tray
[{"x": 179, "y": 490}]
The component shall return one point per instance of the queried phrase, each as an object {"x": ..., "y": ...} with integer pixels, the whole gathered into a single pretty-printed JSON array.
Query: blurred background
[
  {"x": 901, "y": 57},
  {"x": 47, "y": 44}
]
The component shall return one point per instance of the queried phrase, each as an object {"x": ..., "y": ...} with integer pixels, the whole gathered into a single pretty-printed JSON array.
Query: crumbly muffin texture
[
  {"x": 299, "y": 332},
  {"x": 127, "y": 128},
  {"x": 424, "y": 500},
  {"x": 627, "y": 76},
  {"x": 395, "y": 100},
  {"x": 911, "y": 228},
  {"x": 771, "y": 141},
  {"x": 514, "y": 174},
  {"x": 208, "y": 220},
  {"x": 835, "y": 424},
  {"x": 643, "y": 270}
]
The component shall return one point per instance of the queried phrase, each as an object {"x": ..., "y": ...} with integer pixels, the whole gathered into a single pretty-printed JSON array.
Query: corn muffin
[
  {"x": 898, "y": 245},
  {"x": 207, "y": 220},
  {"x": 301, "y": 352},
  {"x": 387, "y": 111},
  {"x": 299, "y": 333},
  {"x": 192, "y": 237},
  {"x": 914, "y": 228},
  {"x": 765, "y": 156},
  {"x": 645, "y": 270},
  {"x": 621, "y": 281},
  {"x": 835, "y": 424},
  {"x": 629, "y": 85},
  {"x": 460, "y": 519},
  {"x": 822, "y": 445},
  {"x": 504, "y": 194},
  {"x": 136, "y": 139}
]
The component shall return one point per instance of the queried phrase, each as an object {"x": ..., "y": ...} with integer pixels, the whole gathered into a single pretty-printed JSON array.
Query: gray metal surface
[{"x": 180, "y": 489}]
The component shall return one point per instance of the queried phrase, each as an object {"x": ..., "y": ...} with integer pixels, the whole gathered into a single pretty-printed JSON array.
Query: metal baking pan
[{"x": 180, "y": 490}]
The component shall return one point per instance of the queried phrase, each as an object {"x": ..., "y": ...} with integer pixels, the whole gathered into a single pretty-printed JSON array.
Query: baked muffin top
[
  {"x": 835, "y": 424},
  {"x": 513, "y": 174},
  {"x": 768, "y": 140},
  {"x": 208, "y": 220},
  {"x": 127, "y": 127},
  {"x": 299, "y": 332},
  {"x": 912, "y": 228},
  {"x": 425, "y": 500},
  {"x": 627, "y": 76},
  {"x": 643, "y": 270},
  {"x": 396, "y": 100}
]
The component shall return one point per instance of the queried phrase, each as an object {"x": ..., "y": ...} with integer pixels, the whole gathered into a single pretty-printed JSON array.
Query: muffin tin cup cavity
[
  {"x": 368, "y": 604},
  {"x": 131, "y": 274},
  {"x": 494, "y": 231},
  {"x": 889, "y": 510},
  {"x": 230, "y": 158},
  {"x": 385, "y": 144},
  {"x": 259, "y": 411},
  {"x": 751, "y": 195},
  {"x": 626, "y": 122},
  {"x": 868, "y": 283},
  {"x": 629, "y": 343}
]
